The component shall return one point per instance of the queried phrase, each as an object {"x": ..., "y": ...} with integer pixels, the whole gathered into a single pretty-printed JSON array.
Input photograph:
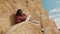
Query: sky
[{"x": 53, "y": 9}]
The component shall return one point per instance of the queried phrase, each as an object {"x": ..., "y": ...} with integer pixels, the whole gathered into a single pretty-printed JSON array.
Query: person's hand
[{"x": 28, "y": 18}]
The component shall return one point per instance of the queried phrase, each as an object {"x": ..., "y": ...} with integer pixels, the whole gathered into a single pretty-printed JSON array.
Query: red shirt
[{"x": 20, "y": 18}]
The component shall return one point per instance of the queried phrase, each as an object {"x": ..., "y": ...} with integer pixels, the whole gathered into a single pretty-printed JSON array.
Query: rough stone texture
[
  {"x": 8, "y": 9},
  {"x": 48, "y": 24},
  {"x": 46, "y": 21},
  {"x": 49, "y": 31},
  {"x": 24, "y": 28},
  {"x": 58, "y": 32},
  {"x": 44, "y": 18},
  {"x": 34, "y": 8}
]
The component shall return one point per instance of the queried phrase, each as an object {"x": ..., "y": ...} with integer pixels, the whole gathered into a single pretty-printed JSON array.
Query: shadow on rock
[{"x": 12, "y": 19}]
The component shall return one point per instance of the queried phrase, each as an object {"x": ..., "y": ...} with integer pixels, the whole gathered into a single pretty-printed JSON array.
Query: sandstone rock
[
  {"x": 47, "y": 24},
  {"x": 45, "y": 21},
  {"x": 34, "y": 8},
  {"x": 24, "y": 28},
  {"x": 44, "y": 18},
  {"x": 49, "y": 31},
  {"x": 8, "y": 10},
  {"x": 58, "y": 32}
]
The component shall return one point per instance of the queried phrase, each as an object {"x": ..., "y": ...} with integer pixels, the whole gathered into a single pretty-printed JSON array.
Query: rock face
[
  {"x": 58, "y": 32},
  {"x": 24, "y": 28},
  {"x": 45, "y": 20},
  {"x": 48, "y": 24},
  {"x": 34, "y": 8}
]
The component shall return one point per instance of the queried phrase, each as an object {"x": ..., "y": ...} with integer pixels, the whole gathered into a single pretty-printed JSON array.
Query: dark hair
[{"x": 19, "y": 12}]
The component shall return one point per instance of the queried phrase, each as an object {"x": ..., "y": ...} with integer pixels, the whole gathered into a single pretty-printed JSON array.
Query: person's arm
[
  {"x": 24, "y": 15},
  {"x": 17, "y": 20}
]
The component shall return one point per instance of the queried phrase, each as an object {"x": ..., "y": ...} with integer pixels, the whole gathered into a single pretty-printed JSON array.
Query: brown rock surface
[
  {"x": 58, "y": 32},
  {"x": 24, "y": 28},
  {"x": 8, "y": 10},
  {"x": 46, "y": 21},
  {"x": 48, "y": 24}
]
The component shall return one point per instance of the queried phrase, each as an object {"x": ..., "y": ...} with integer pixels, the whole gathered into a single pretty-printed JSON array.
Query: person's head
[{"x": 19, "y": 12}]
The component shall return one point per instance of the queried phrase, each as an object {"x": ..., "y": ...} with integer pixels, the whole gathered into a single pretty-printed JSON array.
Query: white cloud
[
  {"x": 55, "y": 10},
  {"x": 58, "y": 24},
  {"x": 56, "y": 17},
  {"x": 57, "y": 2}
]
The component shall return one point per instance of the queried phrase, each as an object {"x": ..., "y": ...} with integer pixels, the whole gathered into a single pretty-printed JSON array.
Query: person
[{"x": 20, "y": 16}]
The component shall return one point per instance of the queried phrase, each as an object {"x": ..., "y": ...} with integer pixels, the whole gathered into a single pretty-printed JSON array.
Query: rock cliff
[{"x": 34, "y": 8}]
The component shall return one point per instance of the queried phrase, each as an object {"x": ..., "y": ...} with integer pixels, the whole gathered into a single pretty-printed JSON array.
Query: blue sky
[{"x": 53, "y": 9}]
